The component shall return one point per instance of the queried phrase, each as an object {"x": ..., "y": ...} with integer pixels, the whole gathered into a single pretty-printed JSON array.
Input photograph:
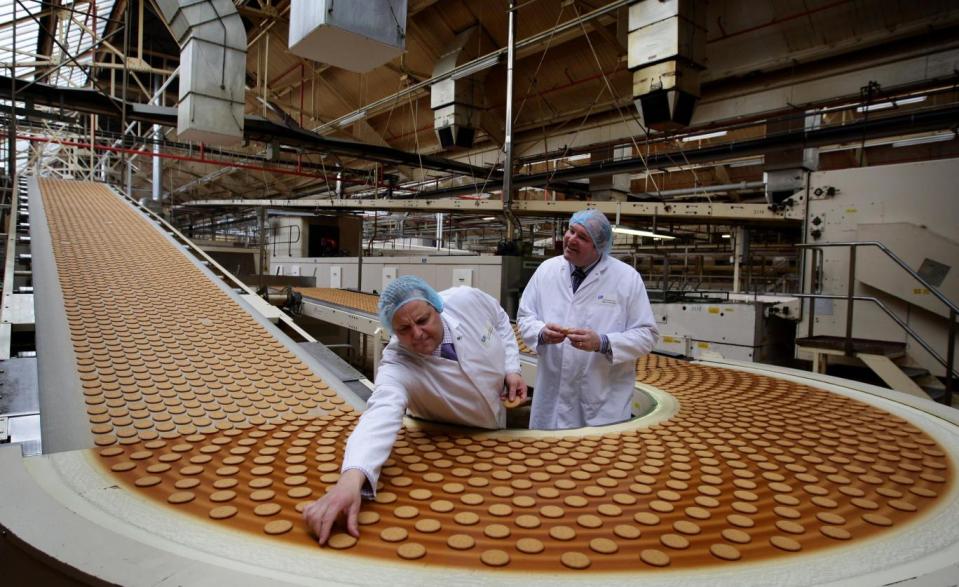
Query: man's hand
[
  {"x": 584, "y": 339},
  {"x": 344, "y": 497},
  {"x": 552, "y": 333},
  {"x": 514, "y": 393}
]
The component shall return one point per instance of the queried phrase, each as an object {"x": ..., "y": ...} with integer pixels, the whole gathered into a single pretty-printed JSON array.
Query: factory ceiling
[{"x": 765, "y": 68}]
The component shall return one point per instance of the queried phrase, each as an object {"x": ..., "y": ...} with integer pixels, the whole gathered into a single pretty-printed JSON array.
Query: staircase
[{"x": 887, "y": 359}]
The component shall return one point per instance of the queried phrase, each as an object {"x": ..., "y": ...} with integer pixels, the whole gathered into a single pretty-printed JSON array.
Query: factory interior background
[{"x": 201, "y": 201}]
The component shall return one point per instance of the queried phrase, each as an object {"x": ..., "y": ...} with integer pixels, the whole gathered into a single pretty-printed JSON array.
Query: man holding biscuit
[{"x": 589, "y": 318}]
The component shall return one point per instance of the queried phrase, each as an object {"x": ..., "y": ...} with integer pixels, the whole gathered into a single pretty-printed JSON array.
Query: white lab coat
[
  {"x": 577, "y": 388},
  {"x": 464, "y": 392}
]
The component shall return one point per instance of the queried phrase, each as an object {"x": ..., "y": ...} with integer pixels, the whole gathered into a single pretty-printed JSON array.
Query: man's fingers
[
  {"x": 326, "y": 524},
  {"x": 352, "y": 525},
  {"x": 313, "y": 513}
]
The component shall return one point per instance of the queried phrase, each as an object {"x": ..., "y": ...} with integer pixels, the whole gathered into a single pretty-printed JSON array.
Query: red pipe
[
  {"x": 165, "y": 156},
  {"x": 201, "y": 159}
]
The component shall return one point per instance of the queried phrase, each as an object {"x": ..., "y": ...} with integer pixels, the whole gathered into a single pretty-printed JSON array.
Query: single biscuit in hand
[{"x": 514, "y": 403}]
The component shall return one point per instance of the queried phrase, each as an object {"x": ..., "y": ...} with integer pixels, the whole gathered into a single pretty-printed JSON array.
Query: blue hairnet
[
  {"x": 597, "y": 226},
  {"x": 402, "y": 291}
]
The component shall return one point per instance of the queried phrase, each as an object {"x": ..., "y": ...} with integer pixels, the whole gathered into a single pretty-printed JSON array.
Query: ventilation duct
[
  {"x": 785, "y": 170},
  {"x": 357, "y": 35},
  {"x": 666, "y": 52},
  {"x": 212, "y": 42},
  {"x": 457, "y": 100}
]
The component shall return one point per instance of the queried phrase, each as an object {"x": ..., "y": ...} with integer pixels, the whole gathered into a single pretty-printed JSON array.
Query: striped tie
[{"x": 578, "y": 276}]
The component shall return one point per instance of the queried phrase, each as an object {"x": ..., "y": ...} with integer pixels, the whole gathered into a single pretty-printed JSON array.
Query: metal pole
[
  {"x": 157, "y": 134},
  {"x": 123, "y": 97},
  {"x": 359, "y": 257},
  {"x": 508, "y": 142},
  {"x": 850, "y": 299},
  {"x": 739, "y": 255},
  {"x": 950, "y": 358},
  {"x": 812, "y": 289},
  {"x": 261, "y": 221},
  {"x": 12, "y": 139}
]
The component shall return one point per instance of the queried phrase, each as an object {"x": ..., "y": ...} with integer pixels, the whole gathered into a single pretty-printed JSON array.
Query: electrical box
[
  {"x": 389, "y": 275},
  {"x": 335, "y": 276},
  {"x": 463, "y": 277}
]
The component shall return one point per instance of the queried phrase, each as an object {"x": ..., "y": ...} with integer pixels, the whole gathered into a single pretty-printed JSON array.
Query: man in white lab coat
[
  {"x": 589, "y": 319},
  {"x": 453, "y": 358}
]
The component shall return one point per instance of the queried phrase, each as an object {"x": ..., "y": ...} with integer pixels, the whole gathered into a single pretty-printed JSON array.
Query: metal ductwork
[
  {"x": 784, "y": 171},
  {"x": 666, "y": 53},
  {"x": 457, "y": 100},
  {"x": 358, "y": 35},
  {"x": 212, "y": 42}
]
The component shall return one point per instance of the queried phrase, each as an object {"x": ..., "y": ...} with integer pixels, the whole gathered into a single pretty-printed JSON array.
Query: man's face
[
  {"x": 578, "y": 247},
  {"x": 418, "y": 327}
]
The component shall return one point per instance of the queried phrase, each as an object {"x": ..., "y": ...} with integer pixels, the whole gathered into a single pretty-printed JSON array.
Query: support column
[
  {"x": 740, "y": 250},
  {"x": 157, "y": 186},
  {"x": 508, "y": 141}
]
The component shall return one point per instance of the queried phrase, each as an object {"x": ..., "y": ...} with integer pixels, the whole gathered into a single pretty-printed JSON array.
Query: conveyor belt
[
  {"x": 197, "y": 408},
  {"x": 367, "y": 303},
  {"x": 363, "y": 302}
]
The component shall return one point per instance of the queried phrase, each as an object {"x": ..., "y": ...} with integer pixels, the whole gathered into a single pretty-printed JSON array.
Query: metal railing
[
  {"x": 948, "y": 362},
  {"x": 294, "y": 238}
]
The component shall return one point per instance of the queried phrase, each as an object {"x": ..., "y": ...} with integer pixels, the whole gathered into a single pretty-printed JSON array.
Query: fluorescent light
[
  {"x": 891, "y": 104},
  {"x": 488, "y": 218},
  {"x": 726, "y": 236},
  {"x": 646, "y": 233},
  {"x": 747, "y": 162},
  {"x": 934, "y": 138},
  {"x": 351, "y": 118},
  {"x": 876, "y": 106},
  {"x": 913, "y": 100},
  {"x": 474, "y": 67},
  {"x": 709, "y": 135}
]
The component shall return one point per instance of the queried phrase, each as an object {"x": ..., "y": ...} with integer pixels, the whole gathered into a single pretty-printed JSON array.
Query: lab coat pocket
[{"x": 593, "y": 398}]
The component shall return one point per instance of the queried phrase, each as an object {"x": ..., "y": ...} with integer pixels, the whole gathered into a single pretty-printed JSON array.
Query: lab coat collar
[
  {"x": 599, "y": 267},
  {"x": 453, "y": 325}
]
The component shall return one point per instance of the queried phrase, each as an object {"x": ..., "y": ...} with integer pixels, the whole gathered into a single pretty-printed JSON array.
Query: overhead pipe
[
  {"x": 928, "y": 120},
  {"x": 151, "y": 153}
]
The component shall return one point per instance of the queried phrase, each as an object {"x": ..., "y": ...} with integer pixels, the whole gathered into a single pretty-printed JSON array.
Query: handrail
[
  {"x": 942, "y": 298},
  {"x": 947, "y": 364},
  {"x": 851, "y": 298},
  {"x": 277, "y": 229},
  {"x": 889, "y": 313}
]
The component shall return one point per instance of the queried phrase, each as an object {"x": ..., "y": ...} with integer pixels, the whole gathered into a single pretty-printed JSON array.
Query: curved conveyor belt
[{"x": 182, "y": 435}]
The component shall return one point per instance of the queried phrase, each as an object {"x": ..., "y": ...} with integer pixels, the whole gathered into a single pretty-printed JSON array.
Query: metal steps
[{"x": 858, "y": 345}]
